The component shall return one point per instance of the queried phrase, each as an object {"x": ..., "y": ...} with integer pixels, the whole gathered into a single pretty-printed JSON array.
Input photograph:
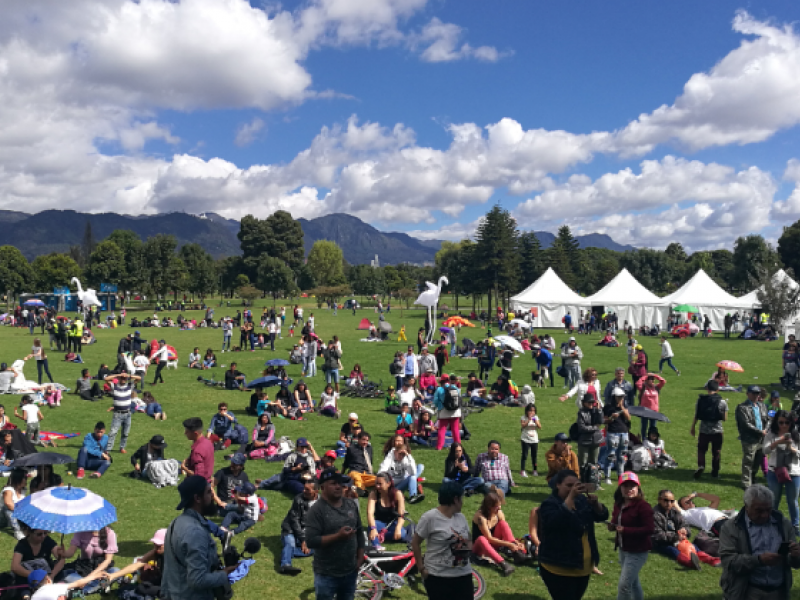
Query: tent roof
[
  {"x": 365, "y": 324},
  {"x": 549, "y": 289},
  {"x": 704, "y": 291},
  {"x": 780, "y": 275},
  {"x": 623, "y": 290}
]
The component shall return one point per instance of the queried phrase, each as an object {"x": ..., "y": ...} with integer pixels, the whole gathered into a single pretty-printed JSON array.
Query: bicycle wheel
[
  {"x": 478, "y": 584},
  {"x": 369, "y": 585}
]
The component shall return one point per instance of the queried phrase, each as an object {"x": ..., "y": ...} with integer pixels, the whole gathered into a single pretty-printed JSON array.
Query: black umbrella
[
  {"x": 43, "y": 458},
  {"x": 647, "y": 413}
]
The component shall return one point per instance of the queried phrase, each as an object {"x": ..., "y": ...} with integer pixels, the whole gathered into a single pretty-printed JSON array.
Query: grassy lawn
[{"x": 142, "y": 509}]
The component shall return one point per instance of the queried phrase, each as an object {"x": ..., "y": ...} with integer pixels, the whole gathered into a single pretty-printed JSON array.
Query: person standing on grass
[
  {"x": 293, "y": 527},
  {"x": 335, "y": 533},
  {"x": 634, "y": 525},
  {"x": 332, "y": 354},
  {"x": 201, "y": 458},
  {"x": 666, "y": 356},
  {"x": 122, "y": 389},
  {"x": 446, "y": 571},
  {"x": 649, "y": 387},
  {"x": 447, "y": 401},
  {"x": 751, "y": 421},
  {"x": 782, "y": 447},
  {"x": 571, "y": 355},
  {"x": 618, "y": 425},
  {"x": 37, "y": 352},
  {"x": 712, "y": 411},
  {"x": 620, "y": 382},
  {"x": 529, "y": 438},
  {"x": 544, "y": 362}
]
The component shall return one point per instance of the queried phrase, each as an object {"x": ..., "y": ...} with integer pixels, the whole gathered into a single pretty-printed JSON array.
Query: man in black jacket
[
  {"x": 293, "y": 528},
  {"x": 152, "y": 450},
  {"x": 711, "y": 410},
  {"x": 358, "y": 460}
]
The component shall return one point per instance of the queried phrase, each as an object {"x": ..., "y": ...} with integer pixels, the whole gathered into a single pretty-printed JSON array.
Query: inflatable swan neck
[{"x": 77, "y": 282}]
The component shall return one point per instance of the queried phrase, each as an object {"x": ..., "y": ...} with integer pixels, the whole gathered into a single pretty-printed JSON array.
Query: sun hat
[
  {"x": 629, "y": 476},
  {"x": 617, "y": 392},
  {"x": 158, "y": 537},
  {"x": 353, "y": 417}
]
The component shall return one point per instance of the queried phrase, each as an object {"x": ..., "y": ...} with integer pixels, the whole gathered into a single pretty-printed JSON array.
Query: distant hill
[{"x": 57, "y": 230}]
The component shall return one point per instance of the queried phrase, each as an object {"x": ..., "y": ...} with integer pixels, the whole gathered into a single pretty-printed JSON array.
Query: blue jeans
[
  {"x": 234, "y": 517},
  {"x": 328, "y": 587},
  {"x": 226, "y": 342},
  {"x": 291, "y": 550},
  {"x": 332, "y": 376},
  {"x": 410, "y": 483},
  {"x": 389, "y": 536},
  {"x": 309, "y": 366},
  {"x": 671, "y": 551},
  {"x": 500, "y": 484},
  {"x": 473, "y": 483},
  {"x": 629, "y": 587},
  {"x": 123, "y": 420},
  {"x": 453, "y": 348},
  {"x": 153, "y": 409},
  {"x": 615, "y": 446},
  {"x": 92, "y": 463},
  {"x": 669, "y": 362},
  {"x": 792, "y": 489},
  {"x": 92, "y": 587},
  {"x": 7, "y": 519},
  {"x": 646, "y": 425}
]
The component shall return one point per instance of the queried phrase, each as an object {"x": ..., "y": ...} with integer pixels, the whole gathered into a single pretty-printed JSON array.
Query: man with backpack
[
  {"x": 711, "y": 410},
  {"x": 447, "y": 401}
]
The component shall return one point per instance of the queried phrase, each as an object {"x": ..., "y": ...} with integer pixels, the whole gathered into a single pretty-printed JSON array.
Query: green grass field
[{"x": 142, "y": 509}]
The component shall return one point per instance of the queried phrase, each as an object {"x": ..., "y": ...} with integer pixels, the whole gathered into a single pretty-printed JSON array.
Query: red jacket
[{"x": 637, "y": 520}]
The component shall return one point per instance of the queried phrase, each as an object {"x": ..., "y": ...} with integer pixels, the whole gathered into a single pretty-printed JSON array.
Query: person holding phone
[
  {"x": 618, "y": 424},
  {"x": 633, "y": 523},
  {"x": 529, "y": 438},
  {"x": 568, "y": 549},
  {"x": 782, "y": 448}
]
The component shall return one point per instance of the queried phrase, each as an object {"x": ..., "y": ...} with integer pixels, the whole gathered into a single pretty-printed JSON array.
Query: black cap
[
  {"x": 562, "y": 437},
  {"x": 158, "y": 441},
  {"x": 334, "y": 475},
  {"x": 193, "y": 424},
  {"x": 194, "y": 485}
]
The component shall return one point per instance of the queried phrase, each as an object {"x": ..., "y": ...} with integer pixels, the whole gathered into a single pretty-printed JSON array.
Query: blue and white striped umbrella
[{"x": 65, "y": 510}]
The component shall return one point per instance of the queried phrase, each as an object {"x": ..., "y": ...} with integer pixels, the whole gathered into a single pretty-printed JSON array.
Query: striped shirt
[{"x": 122, "y": 397}]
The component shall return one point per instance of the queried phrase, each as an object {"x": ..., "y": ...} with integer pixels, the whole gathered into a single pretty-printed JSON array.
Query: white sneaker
[
  {"x": 536, "y": 473},
  {"x": 523, "y": 474},
  {"x": 608, "y": 482}
]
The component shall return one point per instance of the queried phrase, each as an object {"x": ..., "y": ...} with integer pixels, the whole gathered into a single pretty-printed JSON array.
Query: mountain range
[{"x": 57, "y": 230}]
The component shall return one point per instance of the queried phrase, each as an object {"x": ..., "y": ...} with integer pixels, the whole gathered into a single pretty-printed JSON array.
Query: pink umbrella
[{"x": 730, "y": 365}]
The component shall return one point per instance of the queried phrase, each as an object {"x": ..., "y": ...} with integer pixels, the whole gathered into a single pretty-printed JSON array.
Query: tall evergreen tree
[
  {"x": 532, "y": 259},
  {"x": 496, "y": 254},
  {"x": 87, "y": 246}
]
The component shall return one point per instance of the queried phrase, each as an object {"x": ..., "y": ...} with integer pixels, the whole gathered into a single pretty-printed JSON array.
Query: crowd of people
[{"x": 338, "y": 511}]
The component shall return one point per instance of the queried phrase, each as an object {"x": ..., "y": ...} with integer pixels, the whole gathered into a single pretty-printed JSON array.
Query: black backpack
[
  {"x": 452, "y": 398},
  {"x": 710, "y": 409},
  {"x": 591, "y": 473},
  {"x": 574, "y": 432}
]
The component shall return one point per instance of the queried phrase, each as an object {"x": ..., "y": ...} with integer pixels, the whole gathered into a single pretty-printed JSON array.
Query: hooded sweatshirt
[{"x": 527, "y": 396}]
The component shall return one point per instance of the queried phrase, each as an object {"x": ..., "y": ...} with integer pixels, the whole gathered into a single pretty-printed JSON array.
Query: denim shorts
[{"x": 332, "y": 376}]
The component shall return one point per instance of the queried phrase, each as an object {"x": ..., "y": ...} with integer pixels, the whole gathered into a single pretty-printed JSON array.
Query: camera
[{"x": 230, "y": 558}]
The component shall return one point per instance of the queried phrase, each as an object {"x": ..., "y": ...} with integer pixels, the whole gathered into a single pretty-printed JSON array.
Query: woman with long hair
[
  {"x": 302, "y": 401},
  {"x": 402, "y": 468},
  {"x": 491, "y": 532},
  {"x": 45, "y": 478},
  {"x": 97, "y": 555},
  {"x": 782, "y": 448},
  {"x": 263, "y": 436},
  {"x": 13, "y": 492},
  {"x": 633, "y": 523},
  {"x": 385, "y": 510},
  {"x": 35, "y": 544},
  {"x": 458, "y": 467},
  {"x": 210, "y": 359},
  {"x": 589, "y": 384},
  {"x": 37, "y": 352},
  {"x": 329, "y": 403}
]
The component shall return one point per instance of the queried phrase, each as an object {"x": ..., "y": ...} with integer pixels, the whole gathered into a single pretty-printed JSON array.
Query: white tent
[
  {"x": 751, "y": 300},
  {"x": 551, "y": 298},
  {"x": 630, "y": 301},
  {"x": 703, "y": 293}
]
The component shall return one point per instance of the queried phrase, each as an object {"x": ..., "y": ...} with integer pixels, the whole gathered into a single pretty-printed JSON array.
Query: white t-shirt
[
  {"x": 703, "y": 517},
  {"x": 656, "y": 449},
  {"x": 251, "y": 509},
  {"x": 14, "y": 496},
  {"x": 530, "y": 434},
  {"x": 328, "y": 400},
  {"x": 271, "y": 328},
  {"x": 141, "y": 362},
  {"x": 51, "y": 591},
  {"x": 311, "y": 322},
  {"x": 31, "y": 413},
  {"x": 407, "y": 397},
  {"x": 442, "y": 536}
]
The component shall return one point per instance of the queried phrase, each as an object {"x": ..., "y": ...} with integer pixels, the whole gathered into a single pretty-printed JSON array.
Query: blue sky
[{"x": 652, "y": 122}]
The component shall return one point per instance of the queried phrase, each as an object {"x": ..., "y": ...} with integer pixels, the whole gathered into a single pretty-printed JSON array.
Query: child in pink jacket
[{"x": 649, "y": 387}]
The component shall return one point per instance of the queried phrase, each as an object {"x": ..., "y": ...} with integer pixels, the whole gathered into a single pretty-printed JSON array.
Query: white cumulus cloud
[{"x": 248, "y": 132}]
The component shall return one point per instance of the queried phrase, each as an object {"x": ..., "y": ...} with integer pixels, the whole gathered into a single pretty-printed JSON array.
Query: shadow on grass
[{"x": 133, "y": 548}]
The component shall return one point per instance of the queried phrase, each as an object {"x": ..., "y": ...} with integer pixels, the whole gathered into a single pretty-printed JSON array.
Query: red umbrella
[{"x": 730, "y": 365}]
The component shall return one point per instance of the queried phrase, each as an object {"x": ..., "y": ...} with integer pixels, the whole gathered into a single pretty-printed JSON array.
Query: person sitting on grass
[
  {"x": 221, "y": 426},
  {"x": 423, "y": 429},
  {"x": 263, "y": 438},
  {"x": 149, "y": 567},
  {"x": 348, "y": 433},
  {"x": 195, "y": 359},
  {"x": 303, "y": 460},
  {"x": 35, "y": 544},
  {"x": 13, "y": 492},
  {"x": 293, "y": 527},
  {"x": 93, "y": 454},
  {"x": 234, "y": 379},
  {"x": 98, "y": 549},
  {"x": 43, "y": 588},
  {"x": 86, "y": 388},
  {"x": 282, "y": 403},
  {"x": 385, "y": 510},
  {"x": 402, "y": 468},
  {"x": 329, "y": 403},
  {"x": 392, "y": 403},
  {"x": 302, "y": 402},
  {"x": 247, "y": 511},
  {"x": 670, "y": 529},
  {"x": 491, "y": 532},
  {"x": 404, "y": 422},
  {"x": 45, "y": 478},
  {"x": 358, "y": 462},
  {"x": 458, "y": 467},
  {"x": 149, "y": 452},
  {"x": 210, "y": 359}
]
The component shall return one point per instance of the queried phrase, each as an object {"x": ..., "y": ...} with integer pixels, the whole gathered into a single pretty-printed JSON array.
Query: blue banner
[
  {"x": 108, "y": 287},
  {"x": 61, "y": 290}
]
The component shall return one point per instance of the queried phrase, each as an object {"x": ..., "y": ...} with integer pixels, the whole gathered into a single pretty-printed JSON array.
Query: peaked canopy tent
[
  {"x": 551, "y": 298},
  {"x": 703, "y": 293},
  {"x": 751, "y": 300},
  {"x": 630, "y": 301}
]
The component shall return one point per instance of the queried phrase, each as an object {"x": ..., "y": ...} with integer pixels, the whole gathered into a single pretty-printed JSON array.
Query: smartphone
[
  {"x": 590, "y": 487},
  {"x": 783, "y": 550}
]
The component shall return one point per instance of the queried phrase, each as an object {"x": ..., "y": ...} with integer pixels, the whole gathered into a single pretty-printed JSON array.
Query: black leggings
[
  {"x": 562, "y": 587},
  {"x": 159, "y": 368},
  {"x": 42, "y": 365},
  {"x": 454, "y": 588},
  {"x": 550, "y": 370},
  {"x": 534, "y": 450}
]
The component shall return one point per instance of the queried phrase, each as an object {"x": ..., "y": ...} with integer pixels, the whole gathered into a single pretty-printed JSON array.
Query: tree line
[{"x": 499, "y": 261}]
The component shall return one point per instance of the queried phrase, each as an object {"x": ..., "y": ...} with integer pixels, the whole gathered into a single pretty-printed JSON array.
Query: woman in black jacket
[
  {"x": 458, "y": 467},
  {"x": 568, "y": 550}
]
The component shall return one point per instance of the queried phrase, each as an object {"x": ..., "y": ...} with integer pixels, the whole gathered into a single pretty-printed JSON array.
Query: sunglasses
[
  {"x": 784, "y": 422},
  {"x": 667, "y": 500}
]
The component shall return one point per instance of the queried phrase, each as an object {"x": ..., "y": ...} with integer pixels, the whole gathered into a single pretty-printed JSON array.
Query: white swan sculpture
[
  {"x": 430, "y": 299},
  {"x": 88, "y": 297}
]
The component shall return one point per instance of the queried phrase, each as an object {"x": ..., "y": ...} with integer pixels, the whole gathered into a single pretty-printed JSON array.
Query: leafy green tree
[
  {"x": 496, "y": 255},
  {"x": 778, "y": 298},
  {"x": 326, "y": 263},
  {"x": 365, "y": 280},
  {"x": 158, "y": 253},
  {"x": 229, "y": 269},
  {"x": 15, "y": 272},
  {"x": 392, "y": 279},
  {"x": 54, "y": 270},
  {"x": 178, "y": 279},
  {"x": 723, "y": 266},
  {"x": 106, "y": 264},
  {"x": 248, "y": 292},
  {"x": 676, "y": 252},
  {"x": 254, "y": 237},
  {"x": 652, "y": 268},
  {"x": 751, "y": 255},
  {"x": 274, "y": 277},
  {"x": 454, "y": 260},
  {"x": 201, "y": 269},
  {"x": 132, "y": 249},
  {"x": 286, "y": 241},
  {"x": 572, "y": 249},
  {"x": 305, "y": 278},
  {"x": 789, "y": 247}
]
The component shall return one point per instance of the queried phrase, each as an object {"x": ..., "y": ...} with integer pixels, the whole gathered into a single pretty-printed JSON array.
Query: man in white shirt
[
  {"x": 702, "y": 517},
  {"x": 32, "y": 416},
  {"x": 272, "y": 329},
  {"x": 408, "y": 393},
  {"x": 666, "y": 356}
]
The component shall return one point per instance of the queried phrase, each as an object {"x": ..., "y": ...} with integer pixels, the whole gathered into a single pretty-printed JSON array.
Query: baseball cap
[
  {"x": 572, "y": 339},
  {"x": 302, "y": 442},
  {"x": 36, "y": 577},
  {"x": 775, "y": 394},
  {"x": 391, "y": 388},
  {"x": 335, "y": 476},
  {"x": 617, "y": 392},
  {"x": 754, "y": 389},
  {"x": 138, "y": 333},
  {"x": 353, "y": 417},
  {"x": 192, "y": 486},
  {"x": 562, "y": 437},
  {"x": 158, "y": 537},
  {"x": 158, "y": 441},
  {"x": 247, "y": 488},
  {"x": 238, "y": 459},
  {"x": 629, "y": 476},
  {"x": 331, "y": 454}
]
